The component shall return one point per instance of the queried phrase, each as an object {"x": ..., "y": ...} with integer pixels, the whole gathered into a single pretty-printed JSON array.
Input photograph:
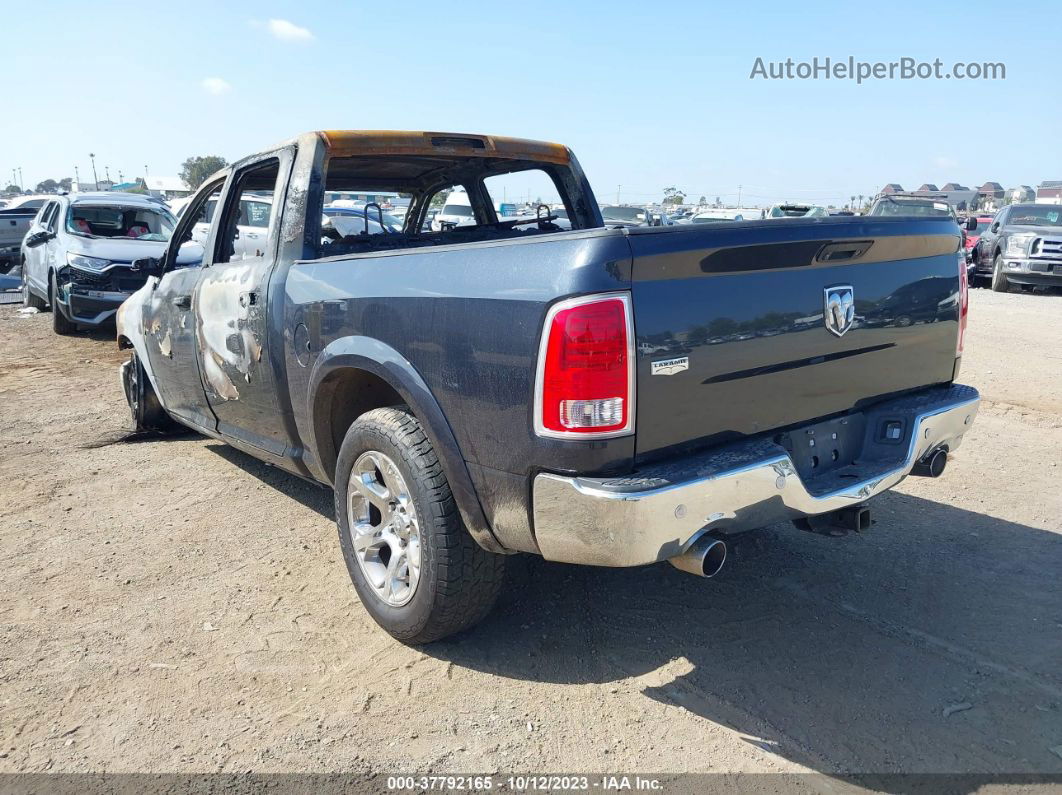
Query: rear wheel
[
  {"x": 146, "y": 412},
  {"x": 999, "y": 279},
  {"x": 29, "y": 298},
  {"x": 60, "y": 323},
  {"x": 416, "y": 568}
]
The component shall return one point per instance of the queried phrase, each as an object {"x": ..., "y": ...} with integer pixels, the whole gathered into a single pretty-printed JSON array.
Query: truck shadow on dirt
[
  {"x": 315, "y": 497},
  {"x": 929, "y": 644}
]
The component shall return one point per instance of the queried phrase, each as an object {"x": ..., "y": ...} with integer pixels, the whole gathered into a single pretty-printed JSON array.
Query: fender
[
  {"x": 383, "y": 361},
  {"x": 128, "y": 323}
]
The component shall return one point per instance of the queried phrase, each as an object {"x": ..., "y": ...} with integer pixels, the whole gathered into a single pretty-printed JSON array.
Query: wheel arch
[{"x": 354, "y": 375}]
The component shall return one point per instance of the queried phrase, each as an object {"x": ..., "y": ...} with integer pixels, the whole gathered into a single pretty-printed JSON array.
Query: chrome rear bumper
[{"x": 657, "y": 512}]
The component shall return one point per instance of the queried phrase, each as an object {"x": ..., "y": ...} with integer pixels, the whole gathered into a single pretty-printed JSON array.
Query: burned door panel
[
  {"x": 168, "y": 331},
  {"x": 232, "y": 340}
]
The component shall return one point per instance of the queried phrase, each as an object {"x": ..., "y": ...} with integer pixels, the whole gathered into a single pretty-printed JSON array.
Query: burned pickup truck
[{"x": 594, "y": 395}]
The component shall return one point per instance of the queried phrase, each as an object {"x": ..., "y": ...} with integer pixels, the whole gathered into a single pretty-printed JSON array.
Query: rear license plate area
[{"x": 825, "y": 446}]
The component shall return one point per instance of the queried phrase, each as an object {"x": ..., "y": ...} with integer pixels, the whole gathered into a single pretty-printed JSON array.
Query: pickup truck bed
[
  {"x": 14, "y": 223},
  {"x": 610, "y": 396}
]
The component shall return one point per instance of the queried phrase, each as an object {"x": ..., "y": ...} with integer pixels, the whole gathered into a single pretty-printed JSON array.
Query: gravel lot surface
[{"x": 174, "y": 605}]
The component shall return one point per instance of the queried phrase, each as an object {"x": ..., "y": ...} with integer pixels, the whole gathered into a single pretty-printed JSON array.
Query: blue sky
[{"x": 648, "y": 94}]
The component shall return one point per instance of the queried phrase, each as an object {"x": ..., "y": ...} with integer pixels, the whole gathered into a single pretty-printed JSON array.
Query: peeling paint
[
  {"x": 165, "y": 347},
  {"x": 227, "y": 343}
]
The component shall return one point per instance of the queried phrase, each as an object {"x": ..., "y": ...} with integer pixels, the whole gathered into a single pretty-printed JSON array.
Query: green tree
[
  {"x": 12, "y": 189},
  {"x": 195, "y": 170},
  {"x": 702, "y": 201},
  {"x": 65, "y": 183},
  {"x": 47, "y": 186},
  {"x": 673, "y": 195}
]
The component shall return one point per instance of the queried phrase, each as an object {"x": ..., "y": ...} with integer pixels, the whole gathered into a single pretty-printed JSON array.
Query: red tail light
[
  {"x": 964, "y": 304},
  {"x": 585, "y": 384}
]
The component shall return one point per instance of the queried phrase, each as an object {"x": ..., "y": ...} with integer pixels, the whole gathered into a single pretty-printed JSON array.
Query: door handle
[{"x": 182, "y": 301}]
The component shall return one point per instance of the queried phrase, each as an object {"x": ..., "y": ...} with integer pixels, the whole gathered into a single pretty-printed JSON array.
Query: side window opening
[
  {"x": 195, "y": 226},
  {"x": 381, "y": 203},
  {"x": 528, "y": 194},
  {"x": 245, "y": 226}
]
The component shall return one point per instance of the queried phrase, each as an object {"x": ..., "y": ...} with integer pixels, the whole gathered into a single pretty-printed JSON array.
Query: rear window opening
[
  {"x": 375, "y": 203},
  {"x": 134, "y": 223}
]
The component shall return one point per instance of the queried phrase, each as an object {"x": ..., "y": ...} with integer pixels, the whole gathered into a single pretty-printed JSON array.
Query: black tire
[
  {"x": 999, "y": 279},
  {"x": 29, "y": 298},
  {"x": 60, "y": 323},
  {"x": 145, "y": 410},
  {"x": 458, "y": 580}
]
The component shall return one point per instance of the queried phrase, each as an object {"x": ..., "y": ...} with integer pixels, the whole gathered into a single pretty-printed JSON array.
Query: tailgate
[{"x": 745, "y": 305}]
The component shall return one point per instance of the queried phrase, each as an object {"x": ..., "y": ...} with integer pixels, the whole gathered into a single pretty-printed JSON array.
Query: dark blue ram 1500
[{"x": 605, "y": 396}]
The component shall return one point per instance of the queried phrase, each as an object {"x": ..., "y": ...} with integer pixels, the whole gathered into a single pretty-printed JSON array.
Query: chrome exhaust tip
[
  {"x": 932, "y": 465},
  {"x": 705, "y": 557}
]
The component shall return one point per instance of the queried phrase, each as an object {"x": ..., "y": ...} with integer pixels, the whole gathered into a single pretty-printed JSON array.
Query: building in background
[
  {"x": 167, "y": 187},
  {"x": 1049, "y": 192},
  {"x": 1019, "y": 195},
  {"x": 990, "y": 196}
]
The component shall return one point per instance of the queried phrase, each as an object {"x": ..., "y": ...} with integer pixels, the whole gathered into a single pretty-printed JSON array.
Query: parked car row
[{"x": 1020, "y": 245}]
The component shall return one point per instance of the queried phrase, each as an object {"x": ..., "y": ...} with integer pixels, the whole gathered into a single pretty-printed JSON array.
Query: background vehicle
[
  {"x": 456, "y": 211},
  {"x": 712, "y": 216},
  {"x": 378, "y": 220},
  {"x": 602, "y": 396},
  {"x": 1022, "y": 245},
  {"x": 15, "y": 220},
  {"x": 77, "y": 256},
  {"x": 796, "y": 211},
  {"x": 975, "y": 230},
  {"x": 615, "y": 216}
]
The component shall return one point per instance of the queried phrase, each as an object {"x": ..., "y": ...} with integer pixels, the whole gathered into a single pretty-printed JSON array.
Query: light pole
[
  {"x": 20, "y": 185},
  {"x": 739, "y": 195},
  {"x": 618, "y": 189},
  {"x": 77, "y": 181},
  {"x": 95, "y": 179}
]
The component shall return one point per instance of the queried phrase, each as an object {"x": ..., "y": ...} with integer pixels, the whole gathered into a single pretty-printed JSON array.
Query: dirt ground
[{"x": 174, "y": 605}]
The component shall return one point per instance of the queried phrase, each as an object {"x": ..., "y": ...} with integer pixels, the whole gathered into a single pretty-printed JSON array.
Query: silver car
[{"x": 78, "y": 254}]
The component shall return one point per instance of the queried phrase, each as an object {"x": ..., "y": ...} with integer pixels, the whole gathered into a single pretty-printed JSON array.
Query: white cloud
[
  {"x": 288, "y": 31},
  {"x": 215, "y": 86}
]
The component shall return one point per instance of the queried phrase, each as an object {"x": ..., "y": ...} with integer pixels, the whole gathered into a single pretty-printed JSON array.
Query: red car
[{"x": 983, "y": 222}]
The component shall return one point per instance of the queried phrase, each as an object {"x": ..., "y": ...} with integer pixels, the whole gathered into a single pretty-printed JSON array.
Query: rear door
[
  {"x": 745, "y": 328},
  {"x": 231, "y": 304}
]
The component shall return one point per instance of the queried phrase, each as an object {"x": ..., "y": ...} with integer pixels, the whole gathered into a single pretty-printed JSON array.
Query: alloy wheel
[{"x": 384, "y": 529}]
